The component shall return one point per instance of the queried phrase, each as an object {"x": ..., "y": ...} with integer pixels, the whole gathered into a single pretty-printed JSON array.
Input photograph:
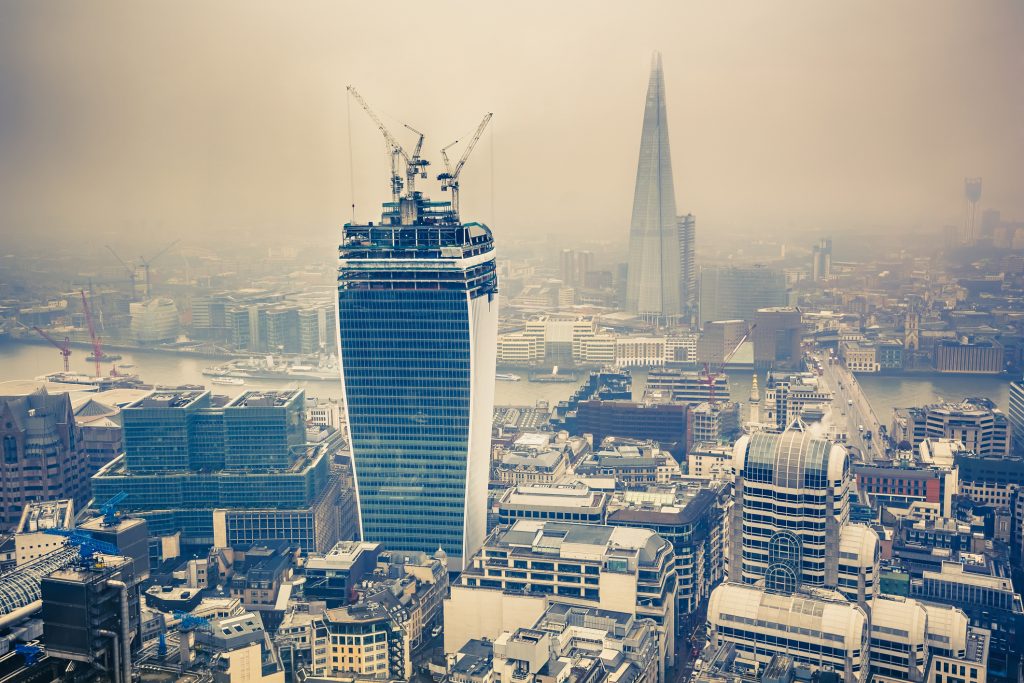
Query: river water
[{"x": 25, "y": 361}]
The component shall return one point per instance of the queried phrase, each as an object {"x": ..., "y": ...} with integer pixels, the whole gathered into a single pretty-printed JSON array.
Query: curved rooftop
[
  {"x": 793, "y": 459},
  {"x": 792, "y": 613},
  {"x": 22, "y": 586}
]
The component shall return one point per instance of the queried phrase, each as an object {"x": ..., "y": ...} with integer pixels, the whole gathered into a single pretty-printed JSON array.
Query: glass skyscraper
[
  {"x": 654, "y": 283},
  {"x": 417, "y": 316}
]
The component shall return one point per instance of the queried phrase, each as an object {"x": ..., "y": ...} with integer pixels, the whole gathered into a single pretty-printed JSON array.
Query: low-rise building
[
  {"x": 523, "y": 569},
  {"x": 569, "y": 502}
]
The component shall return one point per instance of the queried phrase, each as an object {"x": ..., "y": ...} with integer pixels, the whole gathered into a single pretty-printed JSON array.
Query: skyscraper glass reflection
[{"x": 417, "y": 316}]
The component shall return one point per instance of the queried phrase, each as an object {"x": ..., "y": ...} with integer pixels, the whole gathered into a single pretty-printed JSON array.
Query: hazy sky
[{"x": 186, "y": 118}]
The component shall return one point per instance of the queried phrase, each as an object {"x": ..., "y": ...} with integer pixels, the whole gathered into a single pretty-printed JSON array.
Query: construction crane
[
  {"x": 397, "y": 153},
  {"x": 130, "y": 269},
  {"x": 450, "y": 178},
  {"x": 65, "y": 348},
  {"x": 109, "y": 509},
  {"x": 87, "y": 546},
  {"x": 31, "y": 653},
  {"x": 97, "y": 346},
  {"x": 145, "y": 265},
  {"x": 710, "y": 378}
]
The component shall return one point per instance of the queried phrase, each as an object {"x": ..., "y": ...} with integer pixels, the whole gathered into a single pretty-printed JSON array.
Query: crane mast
[
  {"x": 394, "y": 149},
  {"x": 450, "y": 178},
  {"x": 65, "y": 348}
]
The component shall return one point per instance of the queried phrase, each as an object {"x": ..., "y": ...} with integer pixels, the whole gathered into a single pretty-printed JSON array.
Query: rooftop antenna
[{"x": 450, "y": 178}]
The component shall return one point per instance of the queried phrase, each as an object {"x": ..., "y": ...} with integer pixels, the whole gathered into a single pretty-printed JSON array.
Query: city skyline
[{"x": 817, "y": 132}]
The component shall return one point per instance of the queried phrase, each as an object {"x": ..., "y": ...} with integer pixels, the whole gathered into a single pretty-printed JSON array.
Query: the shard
[{"x": 653, "y": 285}]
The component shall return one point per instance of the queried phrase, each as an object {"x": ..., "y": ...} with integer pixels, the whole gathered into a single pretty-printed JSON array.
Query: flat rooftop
[
  {"x": 171, "y": 398},
  {"x": 265, "y": 399}
]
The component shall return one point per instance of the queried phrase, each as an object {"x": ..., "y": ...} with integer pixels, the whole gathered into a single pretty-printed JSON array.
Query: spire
[
  {"x": 652, "y": 286},
  {"x": 755, "y": 395}
]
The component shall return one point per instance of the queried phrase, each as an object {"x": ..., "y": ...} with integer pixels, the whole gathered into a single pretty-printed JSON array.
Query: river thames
[{"x": 26, "y": 361}]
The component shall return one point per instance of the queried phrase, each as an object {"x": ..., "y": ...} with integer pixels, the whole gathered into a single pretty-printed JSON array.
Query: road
[{"x": 853, "y": 405}]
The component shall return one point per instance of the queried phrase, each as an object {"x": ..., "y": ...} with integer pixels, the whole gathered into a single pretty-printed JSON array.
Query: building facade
[
  {"x": 418, "y": 314},
  {"x": 654, "y": 281},
  {"x": 44, "y": 457}
]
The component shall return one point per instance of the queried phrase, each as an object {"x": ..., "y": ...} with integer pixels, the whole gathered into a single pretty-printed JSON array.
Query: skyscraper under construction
[{"x": 418, "y": 315}]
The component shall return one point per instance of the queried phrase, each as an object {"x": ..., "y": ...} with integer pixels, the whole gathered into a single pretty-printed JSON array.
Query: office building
[
  {"x": 686, "y": 386},
  {"x": 821, "y": 260},
  {"x": 101, "y": 431},
  {"x": 687, "y": 263},
  {"x": 418, "y": 338},
  {"x": 654, "y": 278},
  {"x": 788, "y": 397},
  {"x": 577, "y": 644},
  {"x": 693, "y": 517},
  {"x": 91, "y": 616},
  {"x": 717, "y": 422},
  {"x": 44, "y": 457},
  {"x": 155, "y": 321},
  {"x": 569, "y": 502},
  {"x": 790, "y": 523},
  {"x": 523, "y": 569},
  {"x": 891, "y": 639},
  {"x": 989, "y": 602},
  {"x": 661, "y": 422},
  {"x": 777, "y": 334},
  {"x": 225, "y": 474},
  {"x": 709, "y": 460},
  {"x": 719, "y": 339},
  {"x": 737, "y": 292},
  {"x": 900, "y": 486},
  {"x": 974, "y": 422},
  {"x": 817, "y": 632},
  {"x": 969, "y": 357},
  {"x": 632, "y": 465},
  {"x": 1015, "y": 414}
]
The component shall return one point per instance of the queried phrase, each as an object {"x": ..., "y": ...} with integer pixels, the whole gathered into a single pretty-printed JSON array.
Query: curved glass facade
[{"x": 417, "y": 316}]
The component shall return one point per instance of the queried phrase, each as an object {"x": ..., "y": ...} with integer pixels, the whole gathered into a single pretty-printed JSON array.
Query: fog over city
[{"x": 120, "y": 120}]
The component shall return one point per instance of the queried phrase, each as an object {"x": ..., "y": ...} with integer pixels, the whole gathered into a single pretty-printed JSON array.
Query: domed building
[{"x": 790, "y": 525}]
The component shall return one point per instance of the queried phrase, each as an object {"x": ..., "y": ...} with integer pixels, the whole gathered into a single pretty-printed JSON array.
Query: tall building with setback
[
  {"x": 224, "y": 474},
  {"x": 418, "y": 316},
  {"x": 687, "y": 262},
  {"x": 654, "y": 283},
  {"x": 43, "y": 454}
]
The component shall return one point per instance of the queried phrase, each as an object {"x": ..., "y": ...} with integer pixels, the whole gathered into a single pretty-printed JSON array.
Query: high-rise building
[
  {"x": 224, "y": 474},
  {"x": 687, "y": 263},
  {"x": 791, "y": 517},
  {"x": 418, "y": 317},
  {"x": 653, "y": 288},
  {"x": 777, "y": 334},
  {"x": 43, "y": 454},
  {"x": 821, "y": 260},
  {"x": 736, "y": 292},
  {"x": 1015, "y": 414}
]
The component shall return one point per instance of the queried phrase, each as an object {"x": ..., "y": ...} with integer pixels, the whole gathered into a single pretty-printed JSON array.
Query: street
[{"x": 852, "y": 405}]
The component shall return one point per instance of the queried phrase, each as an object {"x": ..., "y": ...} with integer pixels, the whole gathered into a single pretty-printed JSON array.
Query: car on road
[
  {"x": 860, "y": 428},
  {"x": 849, "y": 401}
]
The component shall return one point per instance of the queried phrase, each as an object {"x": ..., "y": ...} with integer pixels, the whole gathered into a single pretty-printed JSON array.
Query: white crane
[
  {"x": 450, "y": 178},
  {"x": 413, "y": 165}
]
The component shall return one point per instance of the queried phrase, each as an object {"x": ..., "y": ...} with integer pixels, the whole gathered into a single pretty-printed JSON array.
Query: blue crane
[
  {"x": 187, "y": 621},
  {"x": 109, "y": 509},
  {"x": 86, "y": 544},
  {"x": 31, "y": 653}
]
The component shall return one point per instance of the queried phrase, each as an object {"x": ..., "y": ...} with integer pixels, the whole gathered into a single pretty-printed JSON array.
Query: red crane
[
  {"x": 710, "y": 378},
  {"x": 65, "y": 348},
  {"x": 97, "y": 347}
]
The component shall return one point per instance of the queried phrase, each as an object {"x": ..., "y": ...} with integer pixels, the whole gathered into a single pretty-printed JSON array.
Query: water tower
[{"x": 972, "y": 194}]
